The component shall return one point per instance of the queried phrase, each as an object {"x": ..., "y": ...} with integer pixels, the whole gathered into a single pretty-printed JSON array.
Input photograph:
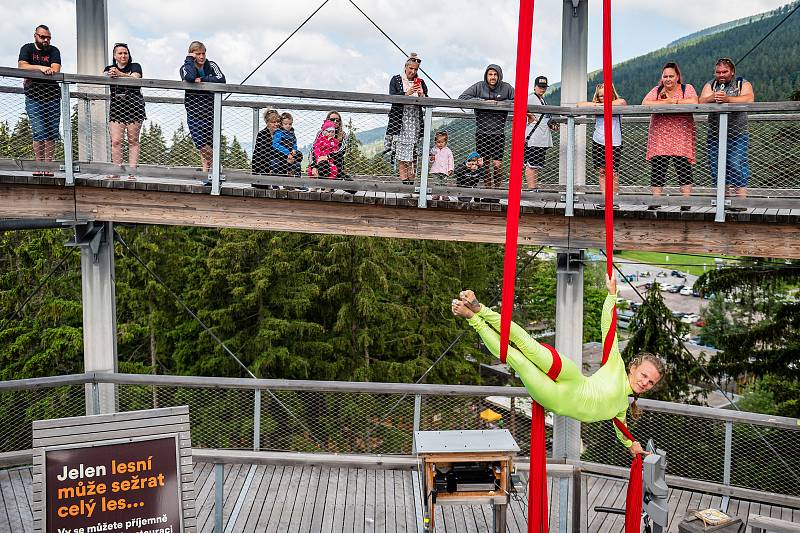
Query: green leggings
[
  {"x": 601, "y": 396},
  {"x": 543, "y": 389}
]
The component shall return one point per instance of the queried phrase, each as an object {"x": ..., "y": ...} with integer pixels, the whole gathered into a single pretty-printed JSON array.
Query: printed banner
[{"x": 124, "y": 487}]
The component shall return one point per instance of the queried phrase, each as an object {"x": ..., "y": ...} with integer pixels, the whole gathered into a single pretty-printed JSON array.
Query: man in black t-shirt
[{"x": 42, "y": 98}]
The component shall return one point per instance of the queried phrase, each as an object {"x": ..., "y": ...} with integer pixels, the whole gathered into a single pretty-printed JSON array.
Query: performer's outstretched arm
[
  {"x": 609, "y": 306},
  {"x": 622, "y": 438}
]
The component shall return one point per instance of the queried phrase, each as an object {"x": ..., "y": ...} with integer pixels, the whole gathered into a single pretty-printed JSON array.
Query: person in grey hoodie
[{"x": 490, "y": 137}]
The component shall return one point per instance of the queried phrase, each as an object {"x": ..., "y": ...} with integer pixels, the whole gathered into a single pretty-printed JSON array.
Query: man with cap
[
  {"x": 490, "y": 126},
  {"x": 538, "y": 136}
]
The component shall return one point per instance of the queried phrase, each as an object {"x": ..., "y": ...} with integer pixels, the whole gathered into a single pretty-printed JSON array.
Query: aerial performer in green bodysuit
[{"x": 557, "y": 384}]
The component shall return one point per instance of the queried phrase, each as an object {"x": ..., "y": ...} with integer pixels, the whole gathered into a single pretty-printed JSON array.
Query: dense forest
[{"x": 773, "y": 68}]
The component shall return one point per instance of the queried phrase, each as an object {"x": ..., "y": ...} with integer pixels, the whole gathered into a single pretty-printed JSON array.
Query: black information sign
[{"x": 122, "y": 487}]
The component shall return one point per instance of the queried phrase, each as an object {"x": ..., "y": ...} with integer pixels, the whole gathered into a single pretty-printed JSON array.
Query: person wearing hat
[
  {"x": 470, "y": 174},
  {"x": 490, "y": 126},
  {"x": 326, "y": 144},
  {"x": 406, "y": 121},
  {"x": 538, "y": 136}
]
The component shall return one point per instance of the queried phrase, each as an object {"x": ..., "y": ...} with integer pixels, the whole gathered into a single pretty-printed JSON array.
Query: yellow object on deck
[{"x": 491, "y": 416}]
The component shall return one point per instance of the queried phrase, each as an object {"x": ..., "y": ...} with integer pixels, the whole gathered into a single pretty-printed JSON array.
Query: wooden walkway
[
  {"x": 756, "y": 231},
  {"x": 320, "y": 499}
]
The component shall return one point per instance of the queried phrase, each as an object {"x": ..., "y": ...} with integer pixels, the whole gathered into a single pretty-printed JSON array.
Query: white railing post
[
  {"x": 426, "y": 152},
  {"x": 66, "y": 122},
  {"x": 726, "y": 469},
  {"x": 219, "y": 487},
  {"x": 417, "y": 418},
  {"x": 257, "y": 420},
  {"x": 216, "y": 161},
  {"x": 722, "y": 163},
  {"x": 570, "y": 196},
  {"x": 255, "y": 126}
]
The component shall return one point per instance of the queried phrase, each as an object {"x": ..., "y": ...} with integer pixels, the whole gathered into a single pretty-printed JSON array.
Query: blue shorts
[
  {"x": 201, "y": 130},
  {"x": 44, "y": 117}
]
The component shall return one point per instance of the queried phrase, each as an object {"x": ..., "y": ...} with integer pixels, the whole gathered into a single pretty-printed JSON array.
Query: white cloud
[{"x": 699, "y": 14}]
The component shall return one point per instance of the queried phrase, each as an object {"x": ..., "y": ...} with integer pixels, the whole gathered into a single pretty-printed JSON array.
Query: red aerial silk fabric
[
  {"x": 537, "y": 487},
  {"x": 633, "y": 503},
  {"x": 524, "y": 37}
]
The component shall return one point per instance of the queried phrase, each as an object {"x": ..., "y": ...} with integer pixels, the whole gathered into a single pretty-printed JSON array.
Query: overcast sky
[{"x": 340, "y": 50}]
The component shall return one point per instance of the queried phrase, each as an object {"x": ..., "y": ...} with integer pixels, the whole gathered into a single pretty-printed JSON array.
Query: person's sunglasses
[
  {"x": 334, "y": 119},
  {"x": 44, "y": 37},
  {"x": 415, "y": 60},
  {"x": 121, "y": 44}
]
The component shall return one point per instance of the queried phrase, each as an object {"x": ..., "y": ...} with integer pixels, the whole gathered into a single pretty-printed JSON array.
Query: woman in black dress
[{"x": 126, "y": 112}]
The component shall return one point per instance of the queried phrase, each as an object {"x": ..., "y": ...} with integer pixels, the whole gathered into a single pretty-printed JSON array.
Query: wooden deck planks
[{"x": 311, "y": 499}]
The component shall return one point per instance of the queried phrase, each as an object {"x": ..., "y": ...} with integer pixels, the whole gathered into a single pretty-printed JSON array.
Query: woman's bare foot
[
  {"x": 460, "y": 309},
  {"x": 471, "y": 301}
]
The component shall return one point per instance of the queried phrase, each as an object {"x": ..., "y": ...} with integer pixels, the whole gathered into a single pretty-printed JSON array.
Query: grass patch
[{"x": 692, "y": 264}]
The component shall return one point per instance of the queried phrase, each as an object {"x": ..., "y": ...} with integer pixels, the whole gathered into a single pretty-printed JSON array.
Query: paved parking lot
[{"x": 675, "y": 302}]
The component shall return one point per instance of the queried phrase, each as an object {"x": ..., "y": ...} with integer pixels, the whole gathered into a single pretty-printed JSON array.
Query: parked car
[
  {"x": 665, "y": 286},
  {"x": 678, "y": 314},
  {"x": 695, "y": 293},
  {"x": 675, "y": 289},
  {"x": 661, "y": 274},
  {"x": 676, "y": 274},
  {"x": 686, "y": 291},
  {"x": 690, "y": 318},
  {"x": 700, "y": 323}
]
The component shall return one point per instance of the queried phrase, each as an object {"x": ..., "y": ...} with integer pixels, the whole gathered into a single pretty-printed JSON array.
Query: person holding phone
[{"x": 405, "y": 121}]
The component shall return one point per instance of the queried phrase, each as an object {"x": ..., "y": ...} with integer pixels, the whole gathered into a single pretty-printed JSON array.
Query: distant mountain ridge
[
  {"x": 729, "y": 25},
  {"x": 773, "y": 68}
]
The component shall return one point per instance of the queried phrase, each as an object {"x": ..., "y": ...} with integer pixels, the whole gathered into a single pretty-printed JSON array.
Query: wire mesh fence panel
[
  {"x": 30, "y": 119},
  {"x": 221, "y": 418},
  {"x": 770, "y": 148},
  {"x": 336, "y": 422},
  {"x": 20, "y": 408},
  {"x": 670, "y": 433},
  {"x": 766, "y": 459}
]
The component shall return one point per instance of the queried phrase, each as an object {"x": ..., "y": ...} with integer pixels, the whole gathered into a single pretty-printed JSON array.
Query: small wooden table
[{"x": 451, "y": 456}]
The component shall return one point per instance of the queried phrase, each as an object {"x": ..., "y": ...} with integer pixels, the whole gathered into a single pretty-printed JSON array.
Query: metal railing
[
  {"x": 720, "y": 447},
  {"x": 227, "y": 132}
]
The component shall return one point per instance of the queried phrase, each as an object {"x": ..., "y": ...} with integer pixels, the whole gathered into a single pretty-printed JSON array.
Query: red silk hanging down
[
  {"x": 633, "y": 501},
  {"x": 525, "y": 32},
  {"x": 537, "y": 485}
]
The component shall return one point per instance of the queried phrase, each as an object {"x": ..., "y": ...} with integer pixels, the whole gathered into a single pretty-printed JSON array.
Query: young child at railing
[
  {"x": 441, "y": 160},
  {"x": 325, "y": 144},
  {"x": 284, "y": 141}
]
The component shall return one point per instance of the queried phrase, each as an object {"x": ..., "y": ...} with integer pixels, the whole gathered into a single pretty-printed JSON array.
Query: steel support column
[
  {"x": 574, "y": 51},
  {"x": 93, "y": 54},
  {"x": 569, "y": 343},
  {"x": 96, "y": 242}
]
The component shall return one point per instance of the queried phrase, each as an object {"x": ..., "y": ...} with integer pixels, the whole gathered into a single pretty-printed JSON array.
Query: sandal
[
  {"x": 131, "y": 177},
  {"x": 112, "y": 177}
]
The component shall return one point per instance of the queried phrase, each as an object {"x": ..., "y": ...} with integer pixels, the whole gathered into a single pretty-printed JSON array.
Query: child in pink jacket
[{"x": 325, "y": 144}]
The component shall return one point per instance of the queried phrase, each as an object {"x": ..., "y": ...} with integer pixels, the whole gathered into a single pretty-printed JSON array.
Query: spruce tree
[{"x": 654, "y": 330}]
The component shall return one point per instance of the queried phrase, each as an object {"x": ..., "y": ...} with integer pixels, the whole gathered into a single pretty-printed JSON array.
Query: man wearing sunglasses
[{"x": 42, "y": 97}]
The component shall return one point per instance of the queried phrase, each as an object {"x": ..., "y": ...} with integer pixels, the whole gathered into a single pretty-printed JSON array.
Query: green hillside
[{"x": 773, "y": 68}]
